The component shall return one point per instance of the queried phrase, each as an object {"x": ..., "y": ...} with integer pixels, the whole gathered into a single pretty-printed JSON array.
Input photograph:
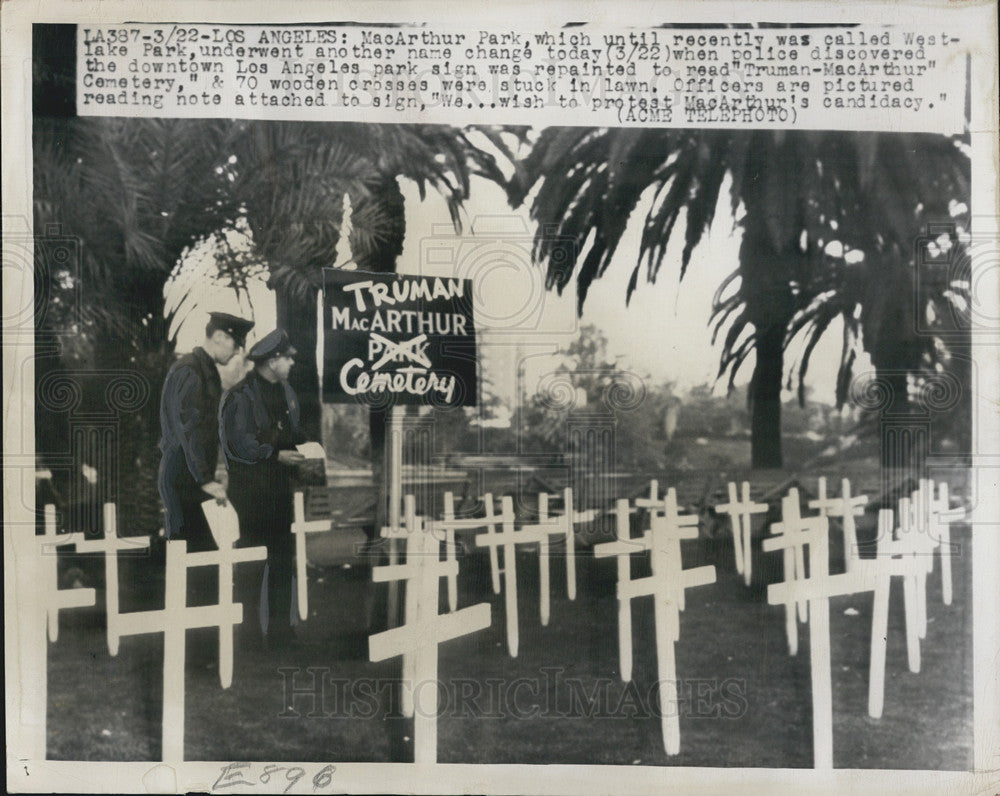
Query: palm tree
[
  {"x": 793, "y": 193},
  {"x": 133, "y": 193}
]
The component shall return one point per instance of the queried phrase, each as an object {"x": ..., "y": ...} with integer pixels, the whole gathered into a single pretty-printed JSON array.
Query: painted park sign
[{"x": 390, "y": 339}]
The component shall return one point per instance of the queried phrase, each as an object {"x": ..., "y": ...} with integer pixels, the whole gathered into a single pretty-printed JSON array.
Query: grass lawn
[{"x": 744, "y": 700}]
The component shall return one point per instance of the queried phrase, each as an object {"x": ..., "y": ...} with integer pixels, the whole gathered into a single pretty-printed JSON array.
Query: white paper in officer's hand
[
  {"x": 223, "y": 522},
  {"x": 311, "y": 450}
]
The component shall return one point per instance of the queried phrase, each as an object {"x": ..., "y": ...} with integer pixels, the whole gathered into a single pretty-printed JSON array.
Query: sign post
[
  {"x": 395, "y": 340},
  {"x": 395, "y": 500}
]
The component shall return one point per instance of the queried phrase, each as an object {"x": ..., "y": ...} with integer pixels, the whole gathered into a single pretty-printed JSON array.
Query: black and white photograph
[{"x": 550, "y": 400}]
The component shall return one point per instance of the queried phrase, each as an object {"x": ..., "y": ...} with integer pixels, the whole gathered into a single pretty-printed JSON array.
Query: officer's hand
[
  {"x": 216, "y": 490},
  {"x": 290, "y": 457}
]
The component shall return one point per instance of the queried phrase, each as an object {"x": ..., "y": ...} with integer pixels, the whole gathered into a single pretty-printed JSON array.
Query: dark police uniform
[
  {"x": 257, "y": 419},
  {"x": 190, "y": 446},
  {"x": 189, "y": 442}
]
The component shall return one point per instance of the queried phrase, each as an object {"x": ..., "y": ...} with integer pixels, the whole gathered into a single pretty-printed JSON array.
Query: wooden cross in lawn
[
  {"x": 931, "y": 517},
  {"x": 225, "y": 529},
  {"x": 666, "y": 585},
  {"x": 846, "y": 508},
  {"x": 449, "y": 525},
  {"x": 423, "y": 630},
  {"x": 540, "y": 533},
  {"x": 622, "y": 549},
  {"x": 566, "y": 524},
  {"x": 741, "y": 513},
  {"x": 817, "y": 588},
  {"x": 56, "y": 598},
  {"x": 508, "y": 539},
  {"x": 942, "y": 515},
  {"x": 110, "y": 546},
  {"x": 914, "y": 537},
  {"x": 793, "y": 528},
  {"x": 651, "y": 503},
  {"x": 893, "y": 558},
  {"x": 174, "y": 620},
  {"x": 300, "y": 527}
]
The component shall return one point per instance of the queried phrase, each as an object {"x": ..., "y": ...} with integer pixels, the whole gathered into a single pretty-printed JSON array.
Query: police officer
[
  {"x": 189, "y": 411},
  {"x": 259, "y": 429}
]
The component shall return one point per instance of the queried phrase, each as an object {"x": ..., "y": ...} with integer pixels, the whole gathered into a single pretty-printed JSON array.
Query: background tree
[
  {"x": 133, "y": 194},
  {"x": 792, "y": 193}
]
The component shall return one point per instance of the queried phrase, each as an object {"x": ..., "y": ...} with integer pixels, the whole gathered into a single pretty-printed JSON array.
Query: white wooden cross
[
  {"x": 923, "y": 505},
  {"x": 652, "y": 503},
  {"x": 622, "y": 549},
  {"x": 300, "y": 527},
  {"x": 56, "y": 598},
  {"x": 509, "y": 538},
  {"x": 914, "y": 536},
  {"x": 174, "y": 620},
  {"x": 540, "y": 533},
  {"x": 942, "y": 515},
  {"x": 110, "y": 545},
  {"x": 449, "y": 525},
  {"x": 932, "y": 517},
  {"x": 741, "y": 513},
  {"x": 792, "y": 528},
  {"x": 565, "y": 524},
  {"x": 224, "y": 523},
  {"x": 423, "y": 631},
  {"x": 846, "y": 508},
  {"x": 894, "y": 558},
  {"x": 817, "y": 588},
  {"x": 666, "y": 585}
]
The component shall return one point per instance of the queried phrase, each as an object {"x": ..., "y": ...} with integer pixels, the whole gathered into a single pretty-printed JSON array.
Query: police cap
[
  {"x": 273, "y": 344},
  {"x": 232, "y": 325}
]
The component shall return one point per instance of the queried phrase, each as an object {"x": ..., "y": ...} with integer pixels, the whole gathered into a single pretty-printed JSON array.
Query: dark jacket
[
  {"x": 247, "y": 432},
  {"x": 189, "y": 428},
  {"x": 259, "y": 486}
]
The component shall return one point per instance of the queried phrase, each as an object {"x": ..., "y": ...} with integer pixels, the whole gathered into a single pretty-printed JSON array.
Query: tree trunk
[
  {"x": 899, "y": 455},
  {"x": 765, "y": 400},
  {"x": 896, "y": 381}
]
